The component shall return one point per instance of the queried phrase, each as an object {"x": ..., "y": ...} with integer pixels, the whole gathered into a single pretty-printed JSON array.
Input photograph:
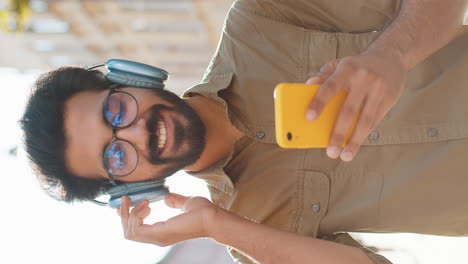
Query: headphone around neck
[{"x": 134, "y": 74}]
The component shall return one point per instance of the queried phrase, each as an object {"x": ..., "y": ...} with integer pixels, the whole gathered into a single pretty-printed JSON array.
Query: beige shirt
[{"x": 410, "y": 174}]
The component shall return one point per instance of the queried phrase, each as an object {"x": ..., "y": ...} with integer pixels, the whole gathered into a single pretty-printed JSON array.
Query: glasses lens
[
  {"x": 120, "y": 109},
  {"x": 120, "y": 158}
]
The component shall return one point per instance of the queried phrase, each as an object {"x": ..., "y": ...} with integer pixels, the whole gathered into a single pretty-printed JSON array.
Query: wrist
[
  {"x": 212, "y": 221},
  {"x": 218, "y": 222},
  {"x": 392, "y": 56}
]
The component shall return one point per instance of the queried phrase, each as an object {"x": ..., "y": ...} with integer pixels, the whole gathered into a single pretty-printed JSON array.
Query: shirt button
[
  {"x": 316, "y": 208},
  {"x": 260, "y": 135},
  {"x": 374, "y": 135},
  {"x": 432, "y": 132}
]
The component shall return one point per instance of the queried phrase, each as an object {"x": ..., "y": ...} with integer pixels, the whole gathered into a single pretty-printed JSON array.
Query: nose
[{"x": 136, "y": 134}]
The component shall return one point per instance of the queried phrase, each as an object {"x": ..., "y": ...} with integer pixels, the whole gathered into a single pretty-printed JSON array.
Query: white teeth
[{"x": 162, "y": 134}]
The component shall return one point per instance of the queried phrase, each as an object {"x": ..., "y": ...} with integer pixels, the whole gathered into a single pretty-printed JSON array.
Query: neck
[{"x": 220, "y": 133}]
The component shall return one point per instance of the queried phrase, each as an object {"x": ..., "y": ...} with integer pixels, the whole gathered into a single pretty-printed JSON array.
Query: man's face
[{"x": 87, "y": 134}]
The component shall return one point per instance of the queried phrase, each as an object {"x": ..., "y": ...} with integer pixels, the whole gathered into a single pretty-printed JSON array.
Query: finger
[
  {"x": 136, "y": 220},
  {"x": 366, "y": 122},
  {"x": 118, "y": 211},
  {"x": 343, "y": 123},
  {"x": 174, "y": 200},
  {"x": 321, "y": 77},
  {"x": 140, "y": 209},
  {"x": 145, "y": 212},
  {"x": 124, "y": 211},
  {"x": 323, "y": 74},
  {"x": 332, "y": 86}
]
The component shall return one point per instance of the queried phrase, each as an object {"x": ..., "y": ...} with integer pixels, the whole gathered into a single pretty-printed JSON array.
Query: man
[{"x": 404, "y": 67}]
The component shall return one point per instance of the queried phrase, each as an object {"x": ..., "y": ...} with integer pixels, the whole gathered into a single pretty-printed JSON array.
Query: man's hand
[
  {"x": 375, "y": 79},
  {"x": 202, "y": 219},
  {"x": 194, "y": 222},
  {"x": 374, "y": 84}
]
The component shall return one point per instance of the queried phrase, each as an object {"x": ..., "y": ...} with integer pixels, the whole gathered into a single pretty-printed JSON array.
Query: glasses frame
[{"x": 112, "y": 90}]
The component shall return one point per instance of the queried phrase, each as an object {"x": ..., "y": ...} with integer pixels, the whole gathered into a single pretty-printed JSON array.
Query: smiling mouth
[{"x": 162, "y": 136}]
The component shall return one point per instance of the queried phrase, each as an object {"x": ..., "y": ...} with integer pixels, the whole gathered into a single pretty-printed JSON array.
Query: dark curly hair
[{"x": 44, "y": 133}]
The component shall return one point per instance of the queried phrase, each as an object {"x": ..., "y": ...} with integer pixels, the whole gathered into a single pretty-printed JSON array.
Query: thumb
[
  {"x": 175, "y": 200},
  {"x": 324, "y": 73}
]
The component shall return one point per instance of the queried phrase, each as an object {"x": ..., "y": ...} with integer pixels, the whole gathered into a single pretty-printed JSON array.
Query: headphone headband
[{"x": 134, "y": 74}]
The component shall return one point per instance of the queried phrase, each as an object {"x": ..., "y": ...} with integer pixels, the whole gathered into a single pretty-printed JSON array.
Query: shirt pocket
[
  {"x": 312, "y": 198},
  {"x": 323, "y": 47}
]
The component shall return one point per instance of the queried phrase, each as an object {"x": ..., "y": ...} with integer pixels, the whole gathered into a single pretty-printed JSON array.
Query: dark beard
[{"x": 192, "y": 134}]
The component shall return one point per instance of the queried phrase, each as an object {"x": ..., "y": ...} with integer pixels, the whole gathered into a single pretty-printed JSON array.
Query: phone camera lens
[{"x": 289, "y": 136}]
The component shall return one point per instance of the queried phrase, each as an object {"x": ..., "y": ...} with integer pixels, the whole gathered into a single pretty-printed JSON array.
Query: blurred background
[{"x": 177, "y": 35}]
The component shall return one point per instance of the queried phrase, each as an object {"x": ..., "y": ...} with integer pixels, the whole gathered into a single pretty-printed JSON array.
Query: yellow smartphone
[{"x": 293, "y": 130}]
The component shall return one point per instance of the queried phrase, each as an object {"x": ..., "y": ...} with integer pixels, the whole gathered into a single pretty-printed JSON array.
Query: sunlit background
[{"x": 177, "y": 35}]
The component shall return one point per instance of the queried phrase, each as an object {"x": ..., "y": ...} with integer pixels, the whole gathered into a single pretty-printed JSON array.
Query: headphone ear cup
[
  {"x": 137, "y": 192},
  {"x": 130, "y": 73}
]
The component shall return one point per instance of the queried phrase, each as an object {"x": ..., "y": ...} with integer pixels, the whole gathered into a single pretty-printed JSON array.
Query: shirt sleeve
[
  {"x": 341, "y": 238},
  {"x": 239, "y": 258},
  {"x": 346, "y": 239}
]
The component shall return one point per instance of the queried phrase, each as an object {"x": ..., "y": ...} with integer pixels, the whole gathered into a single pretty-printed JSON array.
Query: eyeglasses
[{"x": 120, "y": 157}]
